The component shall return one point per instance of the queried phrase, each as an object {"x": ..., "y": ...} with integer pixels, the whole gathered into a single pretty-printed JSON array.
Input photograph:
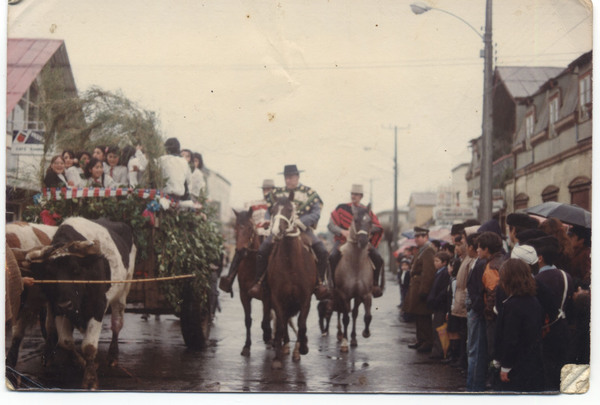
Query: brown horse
[
  {"x": 291, "y": 275},
  {"x": 247, "y": 241},
  {"x": 354, "y": 276}
]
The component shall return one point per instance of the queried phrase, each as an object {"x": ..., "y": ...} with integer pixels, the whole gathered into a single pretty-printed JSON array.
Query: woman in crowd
[
  {"x": 520, "y": 324},
  {"x": 71, "y": 169},
  {"x": 555, "y": 227},
  {"x": 198, "y": 183},
  {"x": 100, "y": 152},
  {"x": 113, "y": 169},
  {"x": 94, "y": 172},
  {"x": 55, "y": 174}
]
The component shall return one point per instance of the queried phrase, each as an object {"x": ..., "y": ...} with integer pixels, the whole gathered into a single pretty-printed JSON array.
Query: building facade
[{"x": 552, "y": 145}]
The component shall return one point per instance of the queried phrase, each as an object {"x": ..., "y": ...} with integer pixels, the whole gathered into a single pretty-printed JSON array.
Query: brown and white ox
[
  {"x": 85, "y": 250},
  {"x": 20, "y": 238}
]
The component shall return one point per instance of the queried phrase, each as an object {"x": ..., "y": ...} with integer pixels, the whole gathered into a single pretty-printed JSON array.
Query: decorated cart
[{"x": 178, "y": 244}]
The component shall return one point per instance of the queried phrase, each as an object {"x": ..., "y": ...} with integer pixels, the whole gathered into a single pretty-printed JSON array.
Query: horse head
[
  {"x": 245, "y": 232},
  {"x": 283, "y": 216},
  {"x": 361, "y": 226}
]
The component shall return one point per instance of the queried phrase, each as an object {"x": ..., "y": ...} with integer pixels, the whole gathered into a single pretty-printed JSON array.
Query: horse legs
[
  {"x": 346, "y": 320},
  {"x": 246, "y": 304},
  {"x": 302, "y": 338},
  {"x": 367, "y": 303},
  {"x": 280, "y": 331},
  {"x": 340, "y": 334},
  {"x": 353, "y": 341},
  {"x": 266, "y": 321}
]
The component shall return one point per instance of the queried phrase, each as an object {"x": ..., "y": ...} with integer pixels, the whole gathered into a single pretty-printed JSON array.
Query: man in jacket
[
  {"x": 421, "y": 279},
  {"x": 308, "y": 208}
]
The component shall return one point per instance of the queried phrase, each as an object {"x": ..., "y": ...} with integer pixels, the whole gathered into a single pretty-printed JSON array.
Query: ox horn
[
  {"x": 37, "y": 255},
  {"x": 78, "y": 248}
]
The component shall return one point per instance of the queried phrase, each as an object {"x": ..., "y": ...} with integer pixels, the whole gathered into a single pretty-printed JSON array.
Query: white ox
[{"x": 84, "y": 250}]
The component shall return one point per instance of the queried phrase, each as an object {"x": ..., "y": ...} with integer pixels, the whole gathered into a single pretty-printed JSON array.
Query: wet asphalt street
[{"x": 153, "y": 357}]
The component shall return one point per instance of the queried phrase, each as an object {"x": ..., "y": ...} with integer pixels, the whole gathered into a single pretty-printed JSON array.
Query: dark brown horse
[
  {"x": 247, "y": 241},
  {"x": 291, "y": 275},
  {"x": 354, "y": 276}
]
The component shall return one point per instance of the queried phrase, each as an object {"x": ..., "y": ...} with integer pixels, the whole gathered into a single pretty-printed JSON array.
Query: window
[
  {"x": 585, "y": 96},
  {"x": 553, "y": 110},
  {"x": 550, "y": 193},
  {"x": 521, "y": 201},
  {"x": 585, "y": 90},
  {"x": 581, "y": 190}
]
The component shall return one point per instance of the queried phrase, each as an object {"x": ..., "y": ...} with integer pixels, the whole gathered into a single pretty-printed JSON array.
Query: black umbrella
[{"x": 567, "y": 213}]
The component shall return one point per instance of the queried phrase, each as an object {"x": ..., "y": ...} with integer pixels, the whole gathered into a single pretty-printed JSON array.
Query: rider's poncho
[
  {"x": 307, "y": 201},
  {"x": 342, "y": 217}
]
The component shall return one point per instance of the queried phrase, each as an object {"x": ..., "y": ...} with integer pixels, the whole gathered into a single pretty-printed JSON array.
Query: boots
[
  {"x": 226, "y": 282},
  {"x": 376, "y": 290},
  {"x": 322, "y": 289},
  {"x": 261, "y": 267}
]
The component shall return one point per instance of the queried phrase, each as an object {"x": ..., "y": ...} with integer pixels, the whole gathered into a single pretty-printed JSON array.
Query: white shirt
[
  {"x": 138, "y": 160},
  {"x": 198, "y": 183},
  {"x": 73, "y": 174},
  {"x": 176, "y": 172},
  {"x": 119, "y": 174}
]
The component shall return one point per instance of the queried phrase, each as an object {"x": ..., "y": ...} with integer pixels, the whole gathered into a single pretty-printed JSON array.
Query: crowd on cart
[
  {"x": 111, "y": 166},
  {"x": 507, "y": 314}
]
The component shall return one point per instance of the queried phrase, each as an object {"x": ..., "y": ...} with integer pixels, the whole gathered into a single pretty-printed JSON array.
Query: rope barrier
[{"x": 141, "y": 280}]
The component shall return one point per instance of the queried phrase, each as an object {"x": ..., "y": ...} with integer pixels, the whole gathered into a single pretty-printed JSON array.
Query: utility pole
[
  {"x": 486, "y": 173},
  {"x": 395, "y": 212}
]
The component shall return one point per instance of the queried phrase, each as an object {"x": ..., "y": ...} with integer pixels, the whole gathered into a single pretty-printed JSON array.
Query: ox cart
[{"x": 179, "y": 249}]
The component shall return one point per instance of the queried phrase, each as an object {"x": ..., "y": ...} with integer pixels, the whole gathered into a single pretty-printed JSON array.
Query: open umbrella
[{"x": 567, "y": 213}]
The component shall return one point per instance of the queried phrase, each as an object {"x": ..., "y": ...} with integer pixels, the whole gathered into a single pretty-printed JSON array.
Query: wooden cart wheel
[{"x": 195, "y": 319}]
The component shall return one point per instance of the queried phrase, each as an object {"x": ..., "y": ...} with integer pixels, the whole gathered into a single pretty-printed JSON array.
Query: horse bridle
[
  {"x": 292, "y": 230},
  {"x": 356, "y": 233}
]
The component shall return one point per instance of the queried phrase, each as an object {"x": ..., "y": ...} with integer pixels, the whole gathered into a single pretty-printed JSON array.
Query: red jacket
[{"x": 342, "y": 217}]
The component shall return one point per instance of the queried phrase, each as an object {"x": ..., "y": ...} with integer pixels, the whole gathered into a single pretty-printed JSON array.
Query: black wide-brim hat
[{"x": 290, "y": 169}]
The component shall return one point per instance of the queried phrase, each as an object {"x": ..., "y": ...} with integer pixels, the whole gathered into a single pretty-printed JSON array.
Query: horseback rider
[
  {"x": 308, "y": 208},
  {"x": 339, "y": 224},
  {"x": 259, "y": 210}
]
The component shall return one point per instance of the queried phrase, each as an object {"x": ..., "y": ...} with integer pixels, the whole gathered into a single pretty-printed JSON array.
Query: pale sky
[{"x": 254, "y": 85}]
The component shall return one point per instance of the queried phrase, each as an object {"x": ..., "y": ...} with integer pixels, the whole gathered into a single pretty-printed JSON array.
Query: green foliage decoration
[{"x": 182, "y": 242}]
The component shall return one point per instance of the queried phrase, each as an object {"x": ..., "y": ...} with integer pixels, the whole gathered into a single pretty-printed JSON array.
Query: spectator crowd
[{"x": 507, "y": 313}]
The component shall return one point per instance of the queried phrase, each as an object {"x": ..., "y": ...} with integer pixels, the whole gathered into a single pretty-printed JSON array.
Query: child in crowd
[
  {"x": 71, "y": 172},
  {"x": 94, "y": 172},
  {"x": 437, "y": 300},
  {"x": 113, "y": 169}
]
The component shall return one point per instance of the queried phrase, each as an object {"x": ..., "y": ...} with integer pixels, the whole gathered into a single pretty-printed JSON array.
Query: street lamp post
[{"x": 485, "y": 188}]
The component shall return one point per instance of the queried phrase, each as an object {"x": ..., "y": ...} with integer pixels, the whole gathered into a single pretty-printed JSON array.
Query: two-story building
[
  {"x": 552, "y": 144},
  {"x": 512, "y": 85}
]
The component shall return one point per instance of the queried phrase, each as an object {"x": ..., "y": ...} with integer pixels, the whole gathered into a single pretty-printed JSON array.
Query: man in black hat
[
  {"x": 422, "y": 275},
  {"x": 308, "y": 207},
  {"x": 518, "y": 222}
]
